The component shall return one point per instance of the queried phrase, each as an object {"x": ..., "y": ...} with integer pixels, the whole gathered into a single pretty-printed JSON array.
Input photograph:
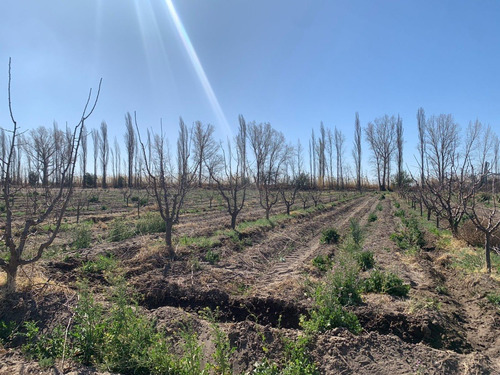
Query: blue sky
[{"x": 290, "y": 63}]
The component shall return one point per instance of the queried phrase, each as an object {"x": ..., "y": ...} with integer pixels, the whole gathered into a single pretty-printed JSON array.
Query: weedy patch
[
  {"x": 427, "y": 303},
  {"x": 103, "y": 263},
  {"x": 322, "y": 262},
  {"x": 387, "y": 283}
]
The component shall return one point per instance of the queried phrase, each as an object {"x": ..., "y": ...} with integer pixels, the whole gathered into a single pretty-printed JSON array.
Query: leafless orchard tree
[
  {"x": 104, "y": 153},
  {"x": 168, "y": 180},
  {"x": 270, "y": 152},
  {"x": 204, "y": 146},
  {"x": 484, "y": 218},
  {"x": 21, "y": 246},
  {"x": 381, "y": 138},
  {"x": 229, "y": 172},
  {"x": 130, "y": 144},
  {"x": 293, "y": 181},
  {"x": 356, "y": 152},
  {"x": 448, "y": 176}
]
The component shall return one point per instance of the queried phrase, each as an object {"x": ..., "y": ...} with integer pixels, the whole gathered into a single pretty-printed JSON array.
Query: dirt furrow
[
  {"x": 292, "y": 265},
  {"x": 284, "y": 277}
]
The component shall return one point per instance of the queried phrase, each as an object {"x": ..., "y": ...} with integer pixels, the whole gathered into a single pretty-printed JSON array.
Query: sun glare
[{"x": 200, "y": 72}]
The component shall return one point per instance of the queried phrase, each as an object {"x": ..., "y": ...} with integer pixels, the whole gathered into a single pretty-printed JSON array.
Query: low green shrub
[
  {"x": 88, "y": 330},
  {"x": 365, "y": 260},
  {"x": 43, "y": 346},
  {"x": 322, "y": 262},
  {"x": 93, "y": 199},
  {"x": 298, "y": 360},
  {"x": 343, "y": 282},
  {"x": 6, "y": 331},
  {"x": 379, "y": 207},
  {"x": 388, "y": 283},
  {"x": 120, "y": 231},
  {"x": 494, "y": 298},
  {"x": 410, "y": 236},
  {"x": 212, "y": 257},
  {"x": 82, "y": 236},
  {"x": 400, "y": 213},
  {"x": 356, "y": 232},
  {"x": 372, "y": 217},
  {"x": 330, "y": 236},
  {"x": 101, "y": 264},
  {"x": 150, "y": 223}
]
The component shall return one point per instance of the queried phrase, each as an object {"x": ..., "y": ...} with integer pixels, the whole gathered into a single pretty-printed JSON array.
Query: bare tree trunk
[
  {"x": 487, "y": 249},
  {"x": 168, "y": 239}
]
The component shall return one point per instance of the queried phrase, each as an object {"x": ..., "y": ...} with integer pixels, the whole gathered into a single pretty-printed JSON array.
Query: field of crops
[{"x": 356, "y": 283}]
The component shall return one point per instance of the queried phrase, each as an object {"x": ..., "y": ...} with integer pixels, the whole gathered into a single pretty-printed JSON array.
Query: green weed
[
  {"x": 330, "y": 236},
  {"x": 388, "y": 283},
  {"x": 150, "y": 223},
  {"x": 322, "y": 262}
]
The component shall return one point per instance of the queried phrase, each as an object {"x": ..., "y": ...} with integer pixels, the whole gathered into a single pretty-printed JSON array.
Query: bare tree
[
  {"x": 204, "y": 146},
  {"x": 96, "y": 140},
  {"x": 496, "y": 154},
  {"x": 130, "y": 144},
  {"x": 300, "y": 158},
  {"x": 83, "y": 155},
  {"x": 339, "y": 149},
  {"x": 118, "y": 158},
  {"x": 17, "y": 236},
  {"x": 399, "y": 155},
  {"x": 229, "y": 172},
  {"x": 168, "y": 185},
  {"x": 329, "y": 148},
  {"x": 448, "y": 176},
  {"x": 484, "y": 149},
  {"x": 270, "y": 152},
  {"x": 356, "y": 152},
  {"x": 421, "y": 152},
  {"x": 312, "y": 157},
  {"x": 380, "y": 136},
  {"x": 442, "y": 143},
  {"x": 42, "y": 150},
  {"x": 104, "y": 152},
  {"x": 57, "y": 141},
  {"x": 320, "y": 150}
]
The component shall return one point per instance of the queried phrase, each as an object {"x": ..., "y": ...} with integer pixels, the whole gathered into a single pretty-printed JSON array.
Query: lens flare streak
[{"x": 186, "y": 41}]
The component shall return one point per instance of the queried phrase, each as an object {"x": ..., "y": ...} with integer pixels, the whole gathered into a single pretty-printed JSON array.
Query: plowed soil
[{"x": 259, "y": 287}]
